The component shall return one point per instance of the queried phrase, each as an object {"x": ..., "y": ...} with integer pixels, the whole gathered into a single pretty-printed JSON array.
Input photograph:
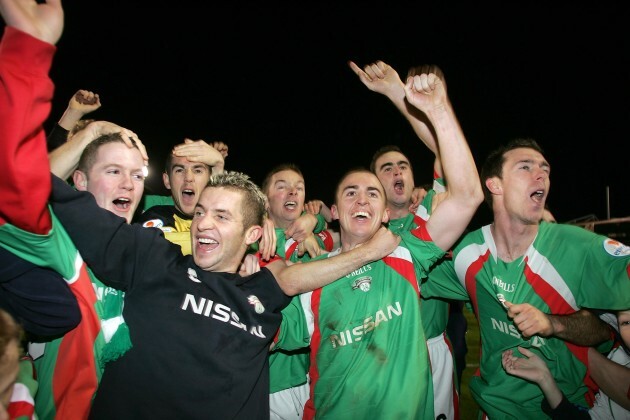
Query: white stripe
[
  {"x": 78, "y": 262},
  {"x": 21, "y": 393},
  {"x": 110, "y": 326},
  {"x": 540, "y": 265},
  {"x": 466, "y": 257}
]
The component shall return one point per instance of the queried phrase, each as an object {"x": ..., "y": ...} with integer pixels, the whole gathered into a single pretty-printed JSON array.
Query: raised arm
[
  {"x": 200, "y": 151},
  {"x": 426, "y": 90},
  {"x": 43, "y": 21},
  {"x": 81, "y": 103},
  {"x": 65, "y": 159},
  {"x": 381, "y": 78},
  {"x": 25, "y": 100}
]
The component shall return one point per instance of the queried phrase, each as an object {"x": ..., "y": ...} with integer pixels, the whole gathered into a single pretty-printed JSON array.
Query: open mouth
[
  {"x": 207, "y": 244},
  {"x": 122, "y": 203},
  {"x": 361, "y": 215},
  {"x": 538, "y": 196},
  {"x": 291, "y": 205}
]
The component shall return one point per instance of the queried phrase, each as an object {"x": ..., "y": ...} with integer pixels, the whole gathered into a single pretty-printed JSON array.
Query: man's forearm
[
  {"x": 582, "y": 328},
  {"x": 311, "y": 275}
]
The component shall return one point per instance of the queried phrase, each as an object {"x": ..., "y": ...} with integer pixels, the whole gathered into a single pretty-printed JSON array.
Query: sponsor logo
[
  {"x": 218, "y": 311},
  {"x": 156, "y": 223},
  {"x": 349, "y": 336},
  {"x": 363, "y": 283},
  {"x": 616, "y": 248},
  {"x": 510, "y": 329}
]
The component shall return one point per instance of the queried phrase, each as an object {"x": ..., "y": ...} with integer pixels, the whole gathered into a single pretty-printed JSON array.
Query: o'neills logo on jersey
[
  {"x": 208, "y": 308},
  {"x": 363, "y": 283},
  {"x": 360, "y": 271},
  {"x": 370, "y": 323},
  {"x": 507, "y": 287},
  {"x": 616, "y": 248}
]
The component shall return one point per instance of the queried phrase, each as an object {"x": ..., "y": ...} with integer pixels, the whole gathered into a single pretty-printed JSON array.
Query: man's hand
[
  {"x": 200, "y": 151},
  {"x": 529, "y": 320},
  {"x": 301, "y": 227},
  {"x": 426, "y": 89},
  {"x": 318, "y": 207},
  {"x": 381, "y": 78},
  {"x": 267, "y": 244},
  {"x": 311, "y": 246},
  {"x": 383, "y": 243},
  {"x": 84, "y": 101}
]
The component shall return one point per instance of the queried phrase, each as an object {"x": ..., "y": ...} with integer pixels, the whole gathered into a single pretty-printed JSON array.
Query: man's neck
[
  {"x": 512, "y": 238},
  {"x": 398, "y": 212}
]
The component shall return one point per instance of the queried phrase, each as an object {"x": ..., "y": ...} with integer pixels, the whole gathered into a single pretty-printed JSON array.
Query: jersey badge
[
  {"x": 192, "y": 274},
  {"x": 256, "y": 303},
  {"x": 616, "y": 248},
  {"x": 362, "y": 283}
]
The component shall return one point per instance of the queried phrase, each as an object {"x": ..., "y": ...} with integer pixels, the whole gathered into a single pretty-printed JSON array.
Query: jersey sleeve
[
  {"x": 443, "y": 282},
  {"x": 606, "y": 267},
  {"x": 294, "y": 330},
  {"x": 25, "y": 101}
]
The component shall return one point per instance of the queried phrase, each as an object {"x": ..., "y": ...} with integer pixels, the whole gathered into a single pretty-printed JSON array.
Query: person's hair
[
  {"x": 493, "y": 165},
  {"x": 354, "y": 170},
  {"x": 279, "y": 168},
  {"x": 10, "y": 331},
  {"x": 253, "y": 204},
  {"x": 80, "y": 125},
  {"x": 88, "y": 157},
  {"x": 380, "y": 152},
  {"x": 168, "y": 164}
]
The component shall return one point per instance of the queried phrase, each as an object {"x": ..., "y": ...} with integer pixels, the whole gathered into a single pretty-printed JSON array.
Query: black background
[{"x": 272, "y": 82}]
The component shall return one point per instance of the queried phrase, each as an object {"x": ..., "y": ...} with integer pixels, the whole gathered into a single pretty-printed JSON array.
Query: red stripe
[
  {"x": 471, "y": 287},
  {"x": 20, "y": 409},
  {"x": 75, "y": 381},
  {"x": 558, "y": 305},
  {"x": 404, "y": 268},
  {"x": 309, "y": 407}
]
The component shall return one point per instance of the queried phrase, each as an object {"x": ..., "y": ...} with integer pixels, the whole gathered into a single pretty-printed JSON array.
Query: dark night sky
[{"x": 273, "y": 84}]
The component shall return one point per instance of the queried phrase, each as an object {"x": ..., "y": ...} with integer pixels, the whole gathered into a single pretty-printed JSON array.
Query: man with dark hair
[{"x": 518, "y": 271}]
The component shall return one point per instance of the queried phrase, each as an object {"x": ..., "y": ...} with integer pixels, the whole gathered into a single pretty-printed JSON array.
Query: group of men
[{"x": 167, "y": 333}]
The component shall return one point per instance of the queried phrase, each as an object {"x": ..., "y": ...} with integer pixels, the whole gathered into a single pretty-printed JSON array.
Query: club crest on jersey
[
  {"x": 616, "y": 248},
  {"x": 156, "y": 223},
  {"x": 256, "y": 303},
  {"x": 363, "y": 283},
  {"x": 192, "y": 274}
]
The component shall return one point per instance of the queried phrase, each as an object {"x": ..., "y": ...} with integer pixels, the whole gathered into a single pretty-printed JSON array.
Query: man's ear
[
  {"x": 494, "y": 185},
  {"x": 253, "y": 234},
  {"x": 80, "y": 180},
  {"x": 385, "y": 218},
  {"x": 333, "y": 212},
  {"x": 166, "y": 180}
]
